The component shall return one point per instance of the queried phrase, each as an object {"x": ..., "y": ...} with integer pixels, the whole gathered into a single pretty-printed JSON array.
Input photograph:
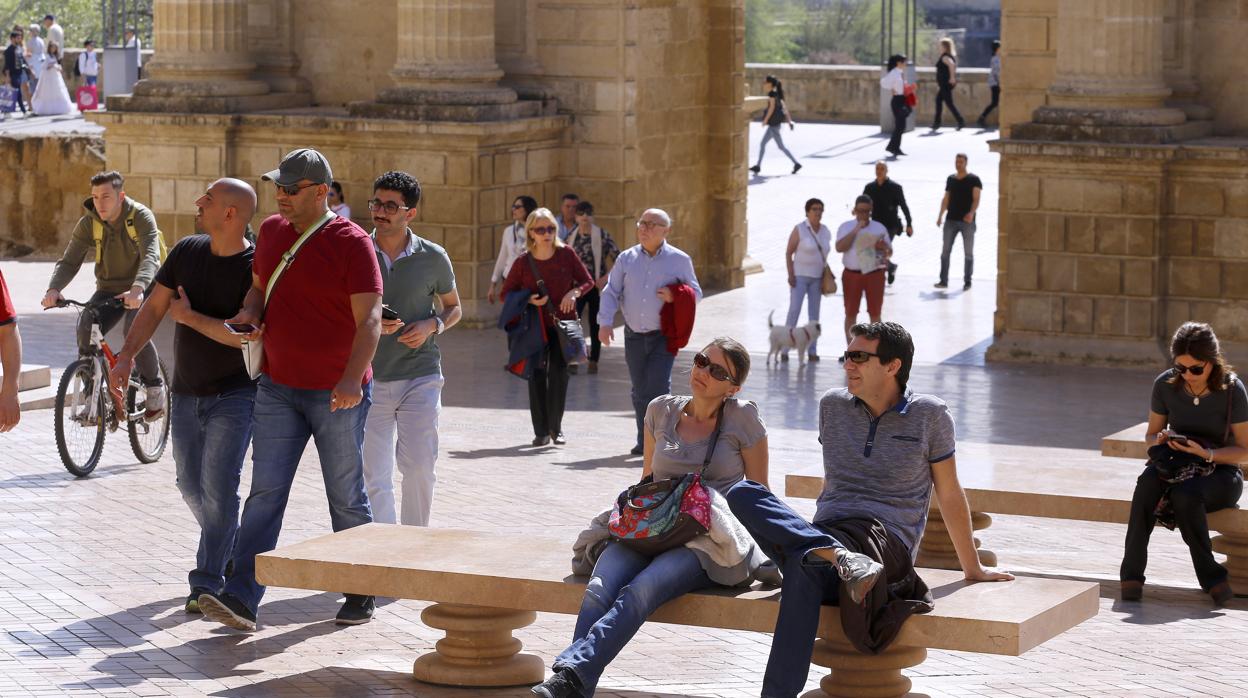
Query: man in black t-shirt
[
  {"x": 203, "y": 282},
  {"x": 888, "y": 196},
  {"x": 961, "y": 201}
]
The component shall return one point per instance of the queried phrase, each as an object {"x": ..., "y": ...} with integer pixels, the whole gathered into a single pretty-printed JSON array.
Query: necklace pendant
[{"x": 1195, "y": 401}]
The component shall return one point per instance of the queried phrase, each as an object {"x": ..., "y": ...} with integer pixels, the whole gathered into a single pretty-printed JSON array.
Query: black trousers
[
  {"x": 901, "y": 112},
  {"x": 590, "y": 300},
  {"x": 548, "y": 390},
  {"x": 996, "y": 99},
  {"x": 944, "y": 96},
  {"x": 1191, "y": 500}
]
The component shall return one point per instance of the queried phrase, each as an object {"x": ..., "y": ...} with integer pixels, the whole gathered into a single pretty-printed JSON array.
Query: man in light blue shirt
[{"x": 638, "y": 287}]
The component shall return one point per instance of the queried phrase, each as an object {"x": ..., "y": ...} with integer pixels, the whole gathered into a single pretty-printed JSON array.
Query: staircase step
[
  {"x": 33, "y": 377},
  {"x": 37, "y": 399}
]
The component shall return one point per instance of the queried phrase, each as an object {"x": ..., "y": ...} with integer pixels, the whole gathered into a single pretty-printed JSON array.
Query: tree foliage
[
  {"x": 823, "y": 31},
  {"x": 83, "y": 19}
]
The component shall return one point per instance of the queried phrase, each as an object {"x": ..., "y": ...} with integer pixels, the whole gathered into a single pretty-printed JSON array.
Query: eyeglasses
[
  {"x": 651, "y": 224},
  {"x": 1194, "y": 370},
  {"x": 387, "y": 206},
  {"x": 719, "y": 373},
  {"x": 293, "y": 189},
  {"x": 858, "y": 357},
  {"x": 517, "y": 205},
  {"x": 544, "y": 230}
]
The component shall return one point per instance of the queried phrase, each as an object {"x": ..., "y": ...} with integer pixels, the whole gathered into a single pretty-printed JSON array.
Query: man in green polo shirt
[{"x": 407, "y": 368}]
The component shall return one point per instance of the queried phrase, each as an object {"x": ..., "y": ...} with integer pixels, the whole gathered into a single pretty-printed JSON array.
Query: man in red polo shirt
[
  {"x": 320, "y": 327},
  {"x": 10, "y": 360}
]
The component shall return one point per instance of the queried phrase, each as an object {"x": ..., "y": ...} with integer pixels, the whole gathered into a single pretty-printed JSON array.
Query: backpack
[{"x": 97, "y": 234}]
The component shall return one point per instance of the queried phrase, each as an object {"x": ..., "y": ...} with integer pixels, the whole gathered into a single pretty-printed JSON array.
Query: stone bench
[
  {"x": 1074, "y": 485},
  {"x": 485, "y": 585}
]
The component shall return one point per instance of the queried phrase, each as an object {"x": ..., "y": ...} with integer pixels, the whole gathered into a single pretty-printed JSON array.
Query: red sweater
[
  {"x": 562, "y": 272},
  {"x": 676, "y": 318}
]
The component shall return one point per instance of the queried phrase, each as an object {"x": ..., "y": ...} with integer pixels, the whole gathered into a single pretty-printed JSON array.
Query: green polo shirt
[{"x": 411, "y": 284}]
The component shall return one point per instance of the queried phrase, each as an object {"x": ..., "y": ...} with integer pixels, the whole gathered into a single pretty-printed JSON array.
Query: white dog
[{"x": 784, "y": 338}]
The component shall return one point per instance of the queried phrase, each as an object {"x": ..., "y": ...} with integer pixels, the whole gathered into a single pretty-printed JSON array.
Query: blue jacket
[{"x": 526, "y": 334}]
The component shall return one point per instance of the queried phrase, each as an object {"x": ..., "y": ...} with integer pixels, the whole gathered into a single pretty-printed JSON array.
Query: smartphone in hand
[
  {"x": 388, "y": 313},
  {"x": 240, "y": 327},
  {"x": 1179, "y": 439}
]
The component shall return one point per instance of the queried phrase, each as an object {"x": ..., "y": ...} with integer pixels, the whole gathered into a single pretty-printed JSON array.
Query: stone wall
[
  {"x": 851, "y": 93},
  {"x": 42, "y": 187},
  {"x": 1028, "y": 58}
]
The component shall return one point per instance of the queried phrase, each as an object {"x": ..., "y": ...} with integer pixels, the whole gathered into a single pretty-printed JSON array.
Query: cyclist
[
  {"x": 10, "y": 359},
  {"x": 202, "y": 283},
  {"x": 127, "y": 246}
]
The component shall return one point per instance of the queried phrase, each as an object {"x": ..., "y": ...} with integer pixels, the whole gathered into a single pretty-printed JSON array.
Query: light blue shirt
[
  {"x": 564, "y": 229},
  {"x": 635, "y": 280}
]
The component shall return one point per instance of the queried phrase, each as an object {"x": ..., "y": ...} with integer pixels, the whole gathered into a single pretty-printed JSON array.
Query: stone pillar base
[
  {"x": 1235, "y": 547},
  {"x": 188, "y": 98},
  {"x": 433, "y": 104},
  {"x": 478, "y": 649},
  {"x": 858, "y": 675},
  {"x": 936, "y": 548},
  {"x": 1029, "y": 347},
  {"x": 1134, "y": 126}
]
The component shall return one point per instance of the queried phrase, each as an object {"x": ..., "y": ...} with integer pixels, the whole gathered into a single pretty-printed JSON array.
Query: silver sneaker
[{"x": 859, "y": 572}]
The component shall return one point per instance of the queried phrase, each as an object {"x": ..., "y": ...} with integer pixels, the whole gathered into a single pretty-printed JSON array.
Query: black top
[
  {"x": 14, "y": 60},
  {"x": 216, "y": 287},
  {"x": 1206, "y": 421},
  {"x": 961, "y": 196},
  {"x": 942, "y": 69},
  {"x": 886, "y": 198},
  {"x": 777, "y": 114}
]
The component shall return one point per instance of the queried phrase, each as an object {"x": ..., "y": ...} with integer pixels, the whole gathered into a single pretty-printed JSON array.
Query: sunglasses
[
  {"x": 388, "y": 206},
  {"x": 516, "y": 206},
  {"x": 544, "y": 230},
  {"x": 1194, "y": 370},
  {"x": 292, "y": 189},
  {"x": 858, "y": 357},
  {"x": 717, "y": 372}
]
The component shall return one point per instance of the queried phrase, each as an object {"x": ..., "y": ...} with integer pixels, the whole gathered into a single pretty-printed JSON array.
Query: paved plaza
[{"x": 94, "y": 570}]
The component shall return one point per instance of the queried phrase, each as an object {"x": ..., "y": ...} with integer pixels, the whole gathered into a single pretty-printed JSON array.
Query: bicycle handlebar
[{"x": 106, "y": 303}]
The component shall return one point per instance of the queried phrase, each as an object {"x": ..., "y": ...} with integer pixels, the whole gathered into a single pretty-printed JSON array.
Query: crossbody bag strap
[
  {"x": 289, "y": 256},
  {"x": 816, "y": 237},
  {"x": 1230, "y": 399},
  {"x": 710, "y": 447}
]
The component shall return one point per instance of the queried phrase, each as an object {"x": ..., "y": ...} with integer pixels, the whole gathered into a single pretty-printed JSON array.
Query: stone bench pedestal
[
  {"x": 858, "y": 675},
  {"x": 936, "y": 548},
  {"x": 1235, "y": 547},
  {"x": 479, "y": 649}
]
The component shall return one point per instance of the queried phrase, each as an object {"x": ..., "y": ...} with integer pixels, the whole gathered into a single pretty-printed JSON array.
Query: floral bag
[{"x": 653, "y": 517}]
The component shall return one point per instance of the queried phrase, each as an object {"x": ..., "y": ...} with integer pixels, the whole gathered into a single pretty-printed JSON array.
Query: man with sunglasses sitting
[
  {"x": 320, "y": 319},
  {"x": 884, "y": 448}
]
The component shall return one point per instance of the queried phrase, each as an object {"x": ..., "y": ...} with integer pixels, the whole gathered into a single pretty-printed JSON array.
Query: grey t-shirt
[
  {"x": 410, "y": 287},
  {"x": 1206, "y": 421},
  {"x": 881, "y": 468},
  {"x": 741, "y": 429}
]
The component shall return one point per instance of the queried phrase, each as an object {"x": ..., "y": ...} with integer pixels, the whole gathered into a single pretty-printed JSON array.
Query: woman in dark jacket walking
[{"x": 564, "y": 280}]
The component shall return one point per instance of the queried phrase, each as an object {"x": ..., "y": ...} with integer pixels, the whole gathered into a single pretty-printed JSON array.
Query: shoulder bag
[
  {"x": 571, "y": 334},
  {"x": 654, "y": 517},
  {"x": 827, "y": 285},
  {"x": 253, "y": 351}
]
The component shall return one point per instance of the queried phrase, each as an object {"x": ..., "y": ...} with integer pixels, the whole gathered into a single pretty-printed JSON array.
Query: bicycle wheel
[
  {"x": 80, "y": 418},
  {"x": 147, "y": 437}
]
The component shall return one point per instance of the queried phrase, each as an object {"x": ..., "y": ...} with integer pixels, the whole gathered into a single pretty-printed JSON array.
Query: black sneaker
[
  {"x": 227, "y": 610},
  {"x": 636, "y": 450},
  {"x": 756, "y": 169},
  {"x": 796, "y": 166},
  {"x": 563, "y": 684},
  {"x": 192, "y": 601},
  {"x": 966, "y": 286},
  {"x": 541, "y": 440},
  {"x": 356, "y": 610},
  {"x": 859, "y": 573},
  {"x": 558, "y": 439},
  {"x": 892, "y": 274},
  {"x": 941, "y": 284}
]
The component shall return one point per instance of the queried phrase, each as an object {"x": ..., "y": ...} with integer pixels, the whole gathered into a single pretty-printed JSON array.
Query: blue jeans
[
  {"x": 951, "y": 229},
  {"x": 210, "y": 438},
  {"x": 649, "y": 369},
  {"x": 91, "y": 79},
  {"x": 773, "y": 133},
  {"x": 808, "y": 583},
  {"x": 285, "y": 418},
  {"x": 810, "y": 288},
  {"x": 625, "y": 588}
]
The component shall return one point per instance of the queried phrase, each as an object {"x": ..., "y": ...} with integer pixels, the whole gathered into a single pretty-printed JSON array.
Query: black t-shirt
[
  {"x": 943, "y": 77},
  {"x": 961, "y": 196},
  {"x": 777, "y": 114},
  {"x": 216, "y": 287},
  {"x": 1206, "y": 421}
]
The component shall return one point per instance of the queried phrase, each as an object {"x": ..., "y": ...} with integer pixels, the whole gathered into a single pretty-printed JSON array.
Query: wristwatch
[
  {"x": 1209, "y": 458},
  {"x": 441, "y": 325}
]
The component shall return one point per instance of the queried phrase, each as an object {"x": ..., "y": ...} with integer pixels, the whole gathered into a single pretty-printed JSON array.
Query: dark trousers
[
  {"x": 548, "y": 390},
  {"x": 146, "y": 360},
  {"x": 996, "y": 99},
  {"x": 590, "y": 300},
  {"x": 16, "y": 80},
  {"x": 649, "y": 369},
  {"x": 901, "y": 112},
  {"x": 944, "y": 95},
  {"x": 1191, "y": 500}
]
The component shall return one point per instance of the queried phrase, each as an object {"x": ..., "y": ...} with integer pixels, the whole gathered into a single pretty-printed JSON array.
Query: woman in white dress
[{"x": 51, "y": 97}]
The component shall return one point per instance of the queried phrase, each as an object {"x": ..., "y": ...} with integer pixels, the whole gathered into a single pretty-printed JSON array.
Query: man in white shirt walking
[
  {"x": 865, "y": 249},
  {"x": 56, "y": 35},
  {"x": 89, "y": 63}
]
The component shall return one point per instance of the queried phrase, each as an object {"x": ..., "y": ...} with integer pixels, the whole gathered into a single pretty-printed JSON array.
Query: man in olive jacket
[{"x": 127, "y": 256}]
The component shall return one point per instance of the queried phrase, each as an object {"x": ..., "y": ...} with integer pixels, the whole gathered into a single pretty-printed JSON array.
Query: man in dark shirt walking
[
  {"x": 961, "y": 200},
  {"x": 15, "y": 66},
  {"x": 887, "y": 196},
  {"x": 201, "y": 283}
]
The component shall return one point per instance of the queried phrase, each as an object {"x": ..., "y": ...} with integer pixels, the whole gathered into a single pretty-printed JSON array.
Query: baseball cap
[{"x": 304, "y": 163}]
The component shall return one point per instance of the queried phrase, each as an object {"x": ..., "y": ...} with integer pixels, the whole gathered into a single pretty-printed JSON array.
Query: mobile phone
[
  {"x": 388, "y": 313},
  {"x": 1182, "y": 440},
  {"x": 240, "y": 327}
]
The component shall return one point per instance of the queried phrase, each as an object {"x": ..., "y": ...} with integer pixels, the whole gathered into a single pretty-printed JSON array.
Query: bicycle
[{"x": 85, "y": 407}]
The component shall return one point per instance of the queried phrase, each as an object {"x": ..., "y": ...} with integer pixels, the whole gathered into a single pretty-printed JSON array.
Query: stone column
[
  {"x": 446, "y": 69},
  {"x": 269, "y": 25},
  {"x": 200, "y": 51},
  {"x": 1109, "y": 65}
]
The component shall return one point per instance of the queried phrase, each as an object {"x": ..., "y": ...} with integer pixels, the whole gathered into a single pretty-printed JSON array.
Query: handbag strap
[
  {"x": 541, "y": 283},
  {"x": 816, "y": 238},
  {"x": 710, "y": 446},
  {"x": 1230, "y": 399},
  {"x": 289, "y": 256}
]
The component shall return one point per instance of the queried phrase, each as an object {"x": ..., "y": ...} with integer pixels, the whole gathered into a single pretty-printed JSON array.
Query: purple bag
[{"x": 8, "y": 98}]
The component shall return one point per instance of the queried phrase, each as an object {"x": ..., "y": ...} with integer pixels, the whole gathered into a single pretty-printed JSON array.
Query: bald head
[
  {"x": 226, "y": 208},
  {"x": 881, "y": 171},
  {"x": 238, "y": 194}
]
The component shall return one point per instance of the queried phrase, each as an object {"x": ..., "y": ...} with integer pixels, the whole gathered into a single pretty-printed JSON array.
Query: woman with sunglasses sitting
[
  {"x": 626, "y": 586},
  {"x": 1199, "y": 425},
  {"x": 563, "y": 279}
]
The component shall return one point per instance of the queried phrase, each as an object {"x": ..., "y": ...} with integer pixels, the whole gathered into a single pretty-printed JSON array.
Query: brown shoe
[
  {"x": 593, "y": 366},
  {"x": 1132, "y": 590},
  {"x": 1221, "y": 594}
]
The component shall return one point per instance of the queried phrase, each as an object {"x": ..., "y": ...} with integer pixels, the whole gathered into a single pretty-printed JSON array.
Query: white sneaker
[{"x": 154, "y": 402}]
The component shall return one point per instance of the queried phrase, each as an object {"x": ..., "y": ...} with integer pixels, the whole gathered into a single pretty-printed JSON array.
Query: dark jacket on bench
[{"x": 873, "y": 625}]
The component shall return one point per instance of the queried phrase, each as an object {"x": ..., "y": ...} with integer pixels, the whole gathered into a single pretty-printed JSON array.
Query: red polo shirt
[
  {"x": 8, "y": 314},
  {"x": 309, "y": 326}
]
